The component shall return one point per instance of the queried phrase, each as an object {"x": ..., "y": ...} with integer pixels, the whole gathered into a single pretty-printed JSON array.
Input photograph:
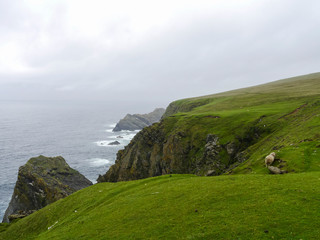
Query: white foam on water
[
  {"x": 102, "y": 143},
  {"x": 128, "y": 136},
  {"x": 123, "y": 136},
  {"x": 99, "y": 162},
  {"x": 111, "y": 127},
  {"x": 116, "y": 137},
  {"x": 128, "y": 131},
  {"x": 106, "y": 144}
]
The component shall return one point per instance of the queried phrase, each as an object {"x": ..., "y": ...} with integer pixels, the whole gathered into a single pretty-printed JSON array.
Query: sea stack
[{"x": 41, "y": 181}]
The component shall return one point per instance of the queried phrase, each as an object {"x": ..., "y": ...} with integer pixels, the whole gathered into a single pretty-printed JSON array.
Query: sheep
[
  {"x": 275, "y": 170},
  {"x": 269, "y": 159}
]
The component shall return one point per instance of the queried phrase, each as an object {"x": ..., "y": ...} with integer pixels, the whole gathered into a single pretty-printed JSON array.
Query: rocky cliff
[
  {"x": 174, "y": 147},
  {"x": 139, "y": 121},
  {"x": 41, "y": 181},
  {"x": 229, "y": 132}
]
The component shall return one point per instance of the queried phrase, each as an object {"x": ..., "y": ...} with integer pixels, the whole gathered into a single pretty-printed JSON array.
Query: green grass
[
  {"x": 284, "y": 114},
  {"x": 183, "y": 207}
]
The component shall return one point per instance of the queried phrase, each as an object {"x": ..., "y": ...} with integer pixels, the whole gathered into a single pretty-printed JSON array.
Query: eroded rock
[
  {"x": 211, "y": 155},
  {"x": 41, "y": 181}
]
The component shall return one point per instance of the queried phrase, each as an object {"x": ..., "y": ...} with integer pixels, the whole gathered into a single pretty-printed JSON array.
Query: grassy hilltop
[{"x": 245, "y": 202}]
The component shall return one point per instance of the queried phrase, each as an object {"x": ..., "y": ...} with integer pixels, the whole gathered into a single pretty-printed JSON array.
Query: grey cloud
[{"x": 196, "y": 55}]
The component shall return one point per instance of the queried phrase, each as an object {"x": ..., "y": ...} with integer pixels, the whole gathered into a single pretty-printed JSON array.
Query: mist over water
[{"x": 79, "y": 132}]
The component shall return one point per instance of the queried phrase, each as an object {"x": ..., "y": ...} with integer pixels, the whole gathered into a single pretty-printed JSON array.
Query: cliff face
[
  {"x": 41, "y": 181},
  {"x": 156, "y": 150},
  {"x": 230, "y": 132},
  {"x": 150, "y": 153},
  {"x": 139, "y": 121}
]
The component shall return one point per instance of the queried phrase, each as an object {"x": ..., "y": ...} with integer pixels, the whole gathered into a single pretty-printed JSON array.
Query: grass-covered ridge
[
  {"x": 291, "y": 88},
  {"x": 282, "y": 116},
  {"x": 183, "y": 207}
]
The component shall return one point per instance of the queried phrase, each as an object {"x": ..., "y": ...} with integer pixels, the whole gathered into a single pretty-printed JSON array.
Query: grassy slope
[
  {"x": 256, "y": 206},
  {"x": 273, "y": 109},
  {"x": 183, "y": 207}
]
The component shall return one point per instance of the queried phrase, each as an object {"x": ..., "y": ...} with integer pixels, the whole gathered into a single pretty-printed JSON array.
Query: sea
[{"x": 80, "y": 132}]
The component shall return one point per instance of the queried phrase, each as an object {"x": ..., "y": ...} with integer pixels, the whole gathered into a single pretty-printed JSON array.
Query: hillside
[
  {"x": 183, "y": 207},
  {"x": 231, "y": 133},
  {"x": 227, "y": 134}
]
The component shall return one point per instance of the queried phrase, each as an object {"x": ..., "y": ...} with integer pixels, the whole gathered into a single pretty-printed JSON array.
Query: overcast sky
[{"x": 152, "y": 51}]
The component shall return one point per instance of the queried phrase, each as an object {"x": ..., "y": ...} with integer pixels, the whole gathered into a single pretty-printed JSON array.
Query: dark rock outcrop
[
  {"x": 139, "y": 121},
  {"x": 41, "y": 181},
  {"x": 141, "y": 158},
  {"x": 114, "y": 143}
]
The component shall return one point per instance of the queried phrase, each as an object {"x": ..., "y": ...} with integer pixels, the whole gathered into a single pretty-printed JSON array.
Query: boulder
[
  {"x": 210, "y": 173},
  {"x": 41, "y": 181}
]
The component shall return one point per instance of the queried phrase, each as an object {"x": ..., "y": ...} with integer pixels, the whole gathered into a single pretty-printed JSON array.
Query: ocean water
[{"x": 79, "y": 132}]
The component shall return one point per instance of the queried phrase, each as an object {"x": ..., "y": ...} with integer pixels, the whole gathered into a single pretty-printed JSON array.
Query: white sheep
[{"x": 269, "y": 159}]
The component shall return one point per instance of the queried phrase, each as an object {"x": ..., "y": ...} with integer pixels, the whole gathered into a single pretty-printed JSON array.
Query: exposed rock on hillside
[
  {"x": 41, "y": 181},
  {"x": 139, "y": 121},
  {"x": 152, "y": 152},
  {"x": 211, "y": 156}
]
